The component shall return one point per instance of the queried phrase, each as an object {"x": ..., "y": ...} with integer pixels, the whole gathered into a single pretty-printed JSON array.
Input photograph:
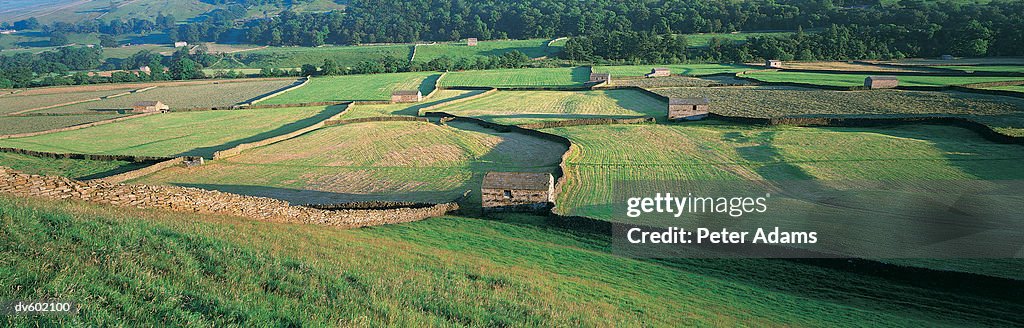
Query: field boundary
[
  {"x": 437, "y": 85},
  {"x": 74, "y": 127},
  {"x": 234, "y": 151},
  {"x": 588, "y": 121},
  {"x": 277, "y": 92},
  {"x": 94, "y": 157},
  {"x": 960, "y": 87},
  {"x": 376, "y": 119},
  {"x": 21, "y": 112},
  {"x": 187, "y": 161},
  {"x": 457, "y": 101}
]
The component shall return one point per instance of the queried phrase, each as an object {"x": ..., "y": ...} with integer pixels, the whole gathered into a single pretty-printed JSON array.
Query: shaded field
[
  {"x": 521, "y": 107},
  {"x": 400, "y": 161},
  {"x": 682, "y": 69},
  {"x": 25, "y": 124},
  {"x": 439, "y": 97},
  {"x": 849, "y": 80},
  {"x": 1005, "y": 114},
  {"x": 523, "y": 77},
  {"x": 71, "y": 168},
  {"x": 511, "y": 271},
  {"x": 987, "y": 68},
  {"x": 16, "y": 103},
  {"x": 294, "y": 57},
  {"x": 184, "y": 96},
  {"x": 533, "y": 48},
  {"x": 357, "y": 87},
  {"x": 1016, "y": 88},
  {"x": 171, "y": 134}
]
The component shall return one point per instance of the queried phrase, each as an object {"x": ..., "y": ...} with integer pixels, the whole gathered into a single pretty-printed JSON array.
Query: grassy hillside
[
  {"x": 519, "y": 107},
  {"x": 534, "y": 48},
  {"x": 294, "y": 57},
  {"x": 171, "y": 134},
  {"x": 406, "y": 161},
  {"x": 844, "y": 80},
  {"x": 525, "y": 77},
  {"x": 358, "y": 87}
]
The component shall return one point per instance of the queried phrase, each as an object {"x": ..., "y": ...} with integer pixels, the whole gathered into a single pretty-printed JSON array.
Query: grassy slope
[
  {"x": 525, "y": 77},
  {"x": 357, "y": 87},
  {"x": 858, "y": 79},
  {"x": 702, "y": 39},
  {"x": 408, "y": 161},
  {"x": 441, "y": 96},
  {"x": 128, "y": 266},
  {"x": 518, "y": 107},
  {"x": 72, "y": 168},
  {"x": 293, "y": 57},
  {"x": 533, "y": 48},
  {"x": 189, "y": 133},
  {"x": 684, "y": 69},
  {"x": 13, "y": 124}
]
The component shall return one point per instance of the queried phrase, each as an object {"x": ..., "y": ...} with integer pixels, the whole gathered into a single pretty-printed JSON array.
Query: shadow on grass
[
  {"x": 427, "y": 85},
  {"x": 580, "y": 74},
  {"x": 120, "y": 169},
  {"x": 207, "y": 152}
]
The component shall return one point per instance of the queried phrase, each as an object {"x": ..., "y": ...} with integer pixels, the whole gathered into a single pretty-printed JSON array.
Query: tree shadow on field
[
  {"x": 640, "y": 102},
  {"x": 580, "y": 74},
  {"x": 428, "y": 84},
  {"x": 328, "y": 112},
  {"x": 415, "y": 109}
]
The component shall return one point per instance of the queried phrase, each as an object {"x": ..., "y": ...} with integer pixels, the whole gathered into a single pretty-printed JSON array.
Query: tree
[
  {"x": 185, "y": 68},
  {"x": 108, "y": 41},
  {"x": 330, "y": 67},
  {"x": 308, "y": 70},
  {"x": 58, "y": 39}
]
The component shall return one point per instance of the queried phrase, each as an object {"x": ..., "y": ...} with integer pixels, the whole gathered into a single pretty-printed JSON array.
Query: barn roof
[
  {"x": 883, "y": 78},
  {"x": 517, "y": 181},
  {"x": 405, "y": 92},
  {"x": 148, "y": 103},
  {"x": 688, "y": 101}
]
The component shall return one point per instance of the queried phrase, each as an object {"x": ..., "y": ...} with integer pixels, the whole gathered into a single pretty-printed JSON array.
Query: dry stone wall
[{"x": 206, "y": 201}]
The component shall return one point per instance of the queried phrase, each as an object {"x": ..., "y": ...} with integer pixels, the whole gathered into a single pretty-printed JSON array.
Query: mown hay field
[
  {"x": 185, "y": 96},
  {"x": 534, "y": 48},
  {"x": 399, "y": 161},
  {"x": 523, "y": 77},
  {"x": 71, "y": 168},
  {"x": 986, "y": 68},
  {"x": 1006, "y": 114},
  {"x": 850, "y": 80},
  {"x": 357, "y": 87},
  {"x": 681, "y": 69},
  {"x": 172, "y": 134},
  {"x": 266, "y": 273},
  {"x": 521, "y": 107},
  {"x": 294, "y": 57},
  {"x": 25, "y": 124},
  {"x": 18, "y": 103},
  {"x": 439, "y": 97}
]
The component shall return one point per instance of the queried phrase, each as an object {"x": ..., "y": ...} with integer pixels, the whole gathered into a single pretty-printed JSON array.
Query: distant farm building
[
  {"x": 472, "y": 42},
  {"x": 149, "y": 107},
  {"x": 687, "y": 108},
  {"x": 145, "y": 69},
  {"x": 517, "y": 191},
  {"x": 180, "y": 44},
  {"x": 881, "y": 82},
  {"x": 600, "y": 77},
  {"x": 8, "y": 32},
  {"x": 406, "y": 96},
  {"x": 946, "y": 57},
  {"x": 771, "y": 63},
  {"x": 659, "y": 72}
]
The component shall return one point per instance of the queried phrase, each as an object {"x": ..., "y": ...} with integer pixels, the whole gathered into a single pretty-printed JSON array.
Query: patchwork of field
[
  {"x": 1005, "y": 114},
  {"x": 71, "y": 168},
  {"x": 26, "y": 124},
  {"x": 294, "y": 57},
  {"x": 185, "y": 96},
  {"x": 534, "y": 48},
  {"x": 172, "y": 134},
  {"x": 524, "y": 77},
  {"x": 850, "y": 80},
  {"x": 682, "y": 69},
  {"x": 521, "y": 107},
  {"x": 18, "y": 103},
  {"x": 400, "y": 161},
  {"x": 439, "y": 97},
  {"x": 357, "y": 87}
]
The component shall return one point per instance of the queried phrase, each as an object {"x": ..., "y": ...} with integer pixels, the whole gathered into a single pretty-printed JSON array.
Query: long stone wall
[
  {"x": 196, "y": 200},
  {"x": 126, "y": 158},
  {"x": 242, "y": 147},
  {"x": 135, "y": 174}
]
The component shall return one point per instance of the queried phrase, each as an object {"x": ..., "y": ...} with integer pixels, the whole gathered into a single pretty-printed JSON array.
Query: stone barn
[
  {"x": 517, "y": 191},
  {"x": 180, "y": 44},
  {"x": 659, "y": 72},
  {"x": 472, "y": 42},
  {"x": 406, "y": 96},
  {"x": 881, "y": 82},
  {"x": 687, "y": 108},
  {"x": 600, "y": 77},
  {"x": 771, "y": 63},
  {"x": 149, "y": 107}
]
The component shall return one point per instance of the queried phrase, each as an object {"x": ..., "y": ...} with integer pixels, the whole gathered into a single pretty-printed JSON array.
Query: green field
[
  {"x": 17, "y": 103},
  {"x": 702, "y": 39},
  {"x": 1017, "y": 88},
  {"x": 524, "y": 77},
  {"x": 294, "y": 57},
  {"x": 25, "y": 124},
  {"x": 1003, "y": 113},
  {"x": 441, "y": 96},
  {"x": 404, "y": 161},
  {"x": 72, "y": 168},
  {"x": 173, "y": 134},
  {"x": 357, "y": 87},
  {"x": 850, "y": 80},
  {"x": 520, "y": 107},
  {"x": 179, "y": 97},
  {"x": 534, "y": 48},
  {"x": 683, "y": 69},
  {"x": 987, "y": 68}
]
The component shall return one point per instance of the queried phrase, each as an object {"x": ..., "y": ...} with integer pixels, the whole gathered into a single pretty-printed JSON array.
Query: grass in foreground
[
  {"x": 174, "y": 134},
  {"x": 523, "y": 77},
  {"x": 71, "y": 168},
  {"x": 519, "y": 107},
  {"x": 849, "y": 80},
  {"x": 357, "y": 87},
  {"x": 147, "y": 267}
]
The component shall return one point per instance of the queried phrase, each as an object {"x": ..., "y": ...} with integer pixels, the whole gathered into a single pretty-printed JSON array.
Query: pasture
[
  {"x": 523, "y": 77},
  {"x": 851, "y": 80},
  {"x": 439, "y": 97},
  {"x": 19, "y": 103},
  {"x": 71, "y": 168},
  {"x": 294, "y": 57},
  {"x": 986, "y": 68},
  {"x": 400, "y": 161},
  {"x": 1005, "y": 114},
  {"x": 178, "y": 97},
  {"x": 175, "y": 134},
  {"x": 534, "y": 48},
  {"x": 681, "y": 69},
  {"x": 371, "y": 87},
  {"x": 26, "y": 124},
  {"x": 520, "y": 107}
]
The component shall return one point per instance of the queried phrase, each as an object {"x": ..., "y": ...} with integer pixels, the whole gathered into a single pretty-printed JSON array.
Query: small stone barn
[
  {"x": 659, "y": 72},
  {"x": 472, "y": 42},
  {"x": 687, "y": 108},
  {"x": 149, "y": 107},
  {"x": 406, "y": 96},
  {"x": 881, "y": 82},
  {"x": 517, "y": 191},
  {"x": 600, "y": 77},
  {"x": 771, "y": 63},
  {"x": 180, "y": 44}
]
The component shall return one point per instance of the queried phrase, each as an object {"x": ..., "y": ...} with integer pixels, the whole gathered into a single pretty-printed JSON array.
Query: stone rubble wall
[
  {"x": 196, "y": 200},
  {"x": 135, "y": 174}
]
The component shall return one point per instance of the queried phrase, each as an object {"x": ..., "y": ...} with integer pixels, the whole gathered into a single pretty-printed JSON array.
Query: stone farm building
[
  {"x": 406, "y": 96},
  {"x": 180, "y": 44},
  {"x": 517, "y": 191},
  {"x": 659, "y": 72},
  {"x": 687, "y": 108},
  {"x": 472, "y": 42},
  {"x": 149, "y": 107},
  {"x": 600, "y": 77},
  {"x": 881, "y": 82},
  {"x": 771, "y": 63}
]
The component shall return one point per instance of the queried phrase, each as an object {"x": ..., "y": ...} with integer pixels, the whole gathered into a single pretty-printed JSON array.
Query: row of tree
[{"x": 69, "y": 65}]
